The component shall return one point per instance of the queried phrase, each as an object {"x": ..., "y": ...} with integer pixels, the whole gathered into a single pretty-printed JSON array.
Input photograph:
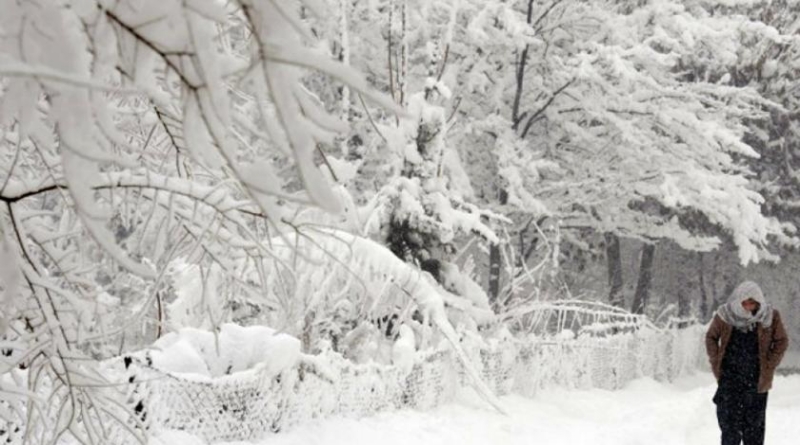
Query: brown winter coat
[{"x": 772, "y": 343}]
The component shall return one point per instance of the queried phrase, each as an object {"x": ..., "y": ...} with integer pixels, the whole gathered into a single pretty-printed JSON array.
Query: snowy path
[{"x": 646, "y": 412}]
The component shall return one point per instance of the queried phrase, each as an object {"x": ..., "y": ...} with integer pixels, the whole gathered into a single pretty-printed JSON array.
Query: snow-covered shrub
[
  {"x": 350, "y": 295},
  {"x": 200, "y": 296},
  {"x": 210, "y": 353},
  {"x": 418, "y": 213}
]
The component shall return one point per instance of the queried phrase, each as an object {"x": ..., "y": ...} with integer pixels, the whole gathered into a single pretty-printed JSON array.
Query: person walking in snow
[{"x": 745, "y": 343}]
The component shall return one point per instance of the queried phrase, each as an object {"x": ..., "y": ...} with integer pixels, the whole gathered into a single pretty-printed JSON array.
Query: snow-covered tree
[
  {"x": 766, "y": 61},
  {"x": 132, "y": 132},
  {"x": 628, "y": 144},
  {"x": 415, "y": 194}
]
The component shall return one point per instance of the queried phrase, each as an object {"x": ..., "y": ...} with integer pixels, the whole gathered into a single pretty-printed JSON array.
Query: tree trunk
[
  {"x": 614, "y": 262},
  {"x": 495, "y": 263},
  {"x": 684, "y": 308},
  {"x": 495, "y": 257},
  {"x": 703, "y": 294},
  {"x": 520, "y": 74},
  {"x": 494, "y": 273},
  {"x": 714, "y": 293},
  {"x": 645, "y": 279}
]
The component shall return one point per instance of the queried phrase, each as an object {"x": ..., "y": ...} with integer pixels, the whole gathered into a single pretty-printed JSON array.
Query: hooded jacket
[{"x": 772, "y": 338}]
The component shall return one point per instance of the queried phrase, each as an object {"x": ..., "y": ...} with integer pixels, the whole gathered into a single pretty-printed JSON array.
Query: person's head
[
  {"x": 747, "y": 299},
  {"x": 751, "y": 305},
  {"x": 746, "y": 306}
]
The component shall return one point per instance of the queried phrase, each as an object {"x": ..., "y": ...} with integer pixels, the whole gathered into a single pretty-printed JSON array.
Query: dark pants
[{"x": 741, "y": 417}]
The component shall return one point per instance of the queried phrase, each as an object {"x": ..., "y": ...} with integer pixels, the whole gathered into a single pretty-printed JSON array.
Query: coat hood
[{"x": 735, "y": 315}]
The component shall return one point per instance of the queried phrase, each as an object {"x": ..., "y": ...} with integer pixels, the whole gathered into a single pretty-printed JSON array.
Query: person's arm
[
  {"x": 779, "y": 342},
  {"x": 712, "y": 342}
]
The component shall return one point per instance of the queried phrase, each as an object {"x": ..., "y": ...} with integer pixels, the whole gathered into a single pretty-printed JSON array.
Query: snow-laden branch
[
  {"x": 365, "y": 258},
  {"x": 10, "y": 68}
]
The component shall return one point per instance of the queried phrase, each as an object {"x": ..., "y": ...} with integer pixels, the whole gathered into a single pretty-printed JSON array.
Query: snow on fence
[
  {"x": 246, "y": 405},
  {"x": 270, "y": 387},
  {"x": 602, "y": 346}
]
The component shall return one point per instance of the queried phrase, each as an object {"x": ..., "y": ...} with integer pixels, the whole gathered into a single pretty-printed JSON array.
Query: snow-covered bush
[
  {"x": 418, "y": 213},
  {"x": 209, "y": 353},
  {"x": 351, "y": 295}
]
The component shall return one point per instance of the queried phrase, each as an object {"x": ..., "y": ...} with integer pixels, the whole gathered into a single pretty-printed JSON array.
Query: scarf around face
[{"x": 735, "y": 315}]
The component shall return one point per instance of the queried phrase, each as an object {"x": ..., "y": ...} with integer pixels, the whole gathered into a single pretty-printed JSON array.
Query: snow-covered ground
[{"x": 645, "y": 412}]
